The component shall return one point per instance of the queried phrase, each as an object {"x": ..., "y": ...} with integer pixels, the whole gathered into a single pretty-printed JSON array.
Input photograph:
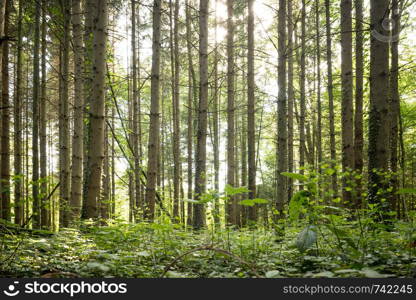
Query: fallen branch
[{"x": 210, "y": 248}]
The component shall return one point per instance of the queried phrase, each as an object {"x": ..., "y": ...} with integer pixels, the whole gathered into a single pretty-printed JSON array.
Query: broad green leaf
[
  {"x": 306, "y": 238},
  {"x": 295, "y": 176},
  {"x": 406, "y": 191},
  {"x": 273, "y": 274}
]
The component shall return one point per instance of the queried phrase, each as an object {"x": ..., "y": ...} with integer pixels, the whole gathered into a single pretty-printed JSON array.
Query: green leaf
[
  {"x": 297, "y": 203},
  {"x": 406, "y": 191},
  {"x": 230, "y": 190},
  {"x": 306, "y": 238},
  {"x": 273, "y": 274},
  {"x": 247, "y": 202},
  {"x": 295, "y": 176}
]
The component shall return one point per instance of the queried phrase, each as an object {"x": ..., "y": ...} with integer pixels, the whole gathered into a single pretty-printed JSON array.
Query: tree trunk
[
  {"x": 281, "y": 197},
  {"x": 378, "y": 130},
  {"x": 191, "y": 88},
  {"x": 42, "y": 127},
  {"x": 176, "y": 116},
  {"x": 17, "y": 144},
  {"x": 5, "y": 122},
  {"x": 302, "y": 142},
  {"x": 78, "y": 133},
  {"x": 96, "y": 146},
  {"x": 35, "y": 120},
  {"x": 359, "y": 82},
  {"x": 216, "y": 124},
  {"x": 64, "y": 151},
  {"x": 394, "y": 102},
  {"x": 201, "y": 151},
  {"x": 231, "y": 202},
  {"x": 346, "y": 94},
  {"x": 318, "y": 87},
  {"x": 330, "y": 97},
  {"x": 251, "y": 125},
  {"x": 290, "y": 97},
  {"x": 154, "y": 140}
]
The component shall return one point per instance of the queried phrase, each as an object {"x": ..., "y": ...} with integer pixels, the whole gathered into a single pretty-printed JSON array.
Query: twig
[{"x": 210, "y": 248}]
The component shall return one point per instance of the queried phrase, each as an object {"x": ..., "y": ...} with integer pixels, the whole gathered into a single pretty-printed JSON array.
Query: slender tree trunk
[
  {"x": 176, "y": 116},
  {"x": 17, "y": 145},
  {"x": 191, "y": 88},
  {"x": 281, "y": 196},
  {"x": 302, "y": 141},
  {"x": 201, "y": 151},
  {"x": 35, "y": 120},
  {"x": 290, "y": 96},
  {"x": 42, "y": 127},
  {"x": 359, "y": 82},
  {"x": 394, "y": 102},
  {"x": 64, "y": 151},
  {"x": 318, "y": 87},
  {"x": 97, "y": 118},
  {"x": 104, "y": 203},
  {"x": 378, "y": 130},
  {"x": 231, "y": 202},
  {"x": 347, "y": 104},
  {"x": 5, "y": 122},
  {"x": 330, "y": 96},
  {"x": 78, "y": 127},
  {"x": 216, "y": 120},
  {"x": 251, "y": 125},
  {"x": 154, "y": 140}
]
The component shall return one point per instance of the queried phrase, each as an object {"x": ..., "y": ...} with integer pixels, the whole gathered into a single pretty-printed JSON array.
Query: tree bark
[
  {"x": 35, "y": 121},
  {"x": 281, "y": 197},
  {"x": 97, "y": 118},
  {"x": 5, "y": 122},
  {"x": 78, "y": 127},
  {"x": 154, "y": 140},
  {"x": 231, "y": 202},
  {"x": 378, "y": 130},
  {"x": 330, "y": 97},
  {"x": 42, "y": 127},
  {"x": 17, "y": 143},
  {"x": 346, "y": 94},
  {"x": 251, "y": 125},
  {"x": 359, "y": 83},
  {"x": 64, "y": 151},
  {"x": 290, "y": 96},
  {"x": 201, "y": 144}
]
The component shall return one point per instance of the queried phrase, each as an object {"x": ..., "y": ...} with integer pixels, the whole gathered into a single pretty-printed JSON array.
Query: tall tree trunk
[
  {"x": 5, "y": 122},
  {"x": 378, "y": 130},
  {"x": 346, "y": 94},
  {"x": 359, "y": 82},
  {"x": 191, "y": 89},
  {"x": 251, "y": 125},
  {"x": 302, "y": 141},
  {"x": 330, "y": 96},
  {"x": 216, "y": 124},
  {"x": 318, "y": 87},
  {"x": 154, "y": 140},
  {"x": 231, "y": 202},
  {"x": 281, "y": 197},
  {"x": 394, "y": 102},
  {"x": 89, "y": 7},
  {"x": 201, "y": 145},
  {"x": 290, "y": 96},
  {"x": 17, "y": 144},
  {"x": 176, "y": 116},
  {"x": 35, "y": 120},
  {"x": 64, "y": 151},
  {"x": 78, "y": 133},
  {"x": 135, "y": 114},
  {"x": 104, "y": 200},
  {"x": 96, "y": 146},
  {"x": 42, "y": 126}
]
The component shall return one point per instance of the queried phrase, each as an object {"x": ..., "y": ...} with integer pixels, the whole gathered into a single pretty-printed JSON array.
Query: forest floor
[{"x": 165, "y": 250}]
